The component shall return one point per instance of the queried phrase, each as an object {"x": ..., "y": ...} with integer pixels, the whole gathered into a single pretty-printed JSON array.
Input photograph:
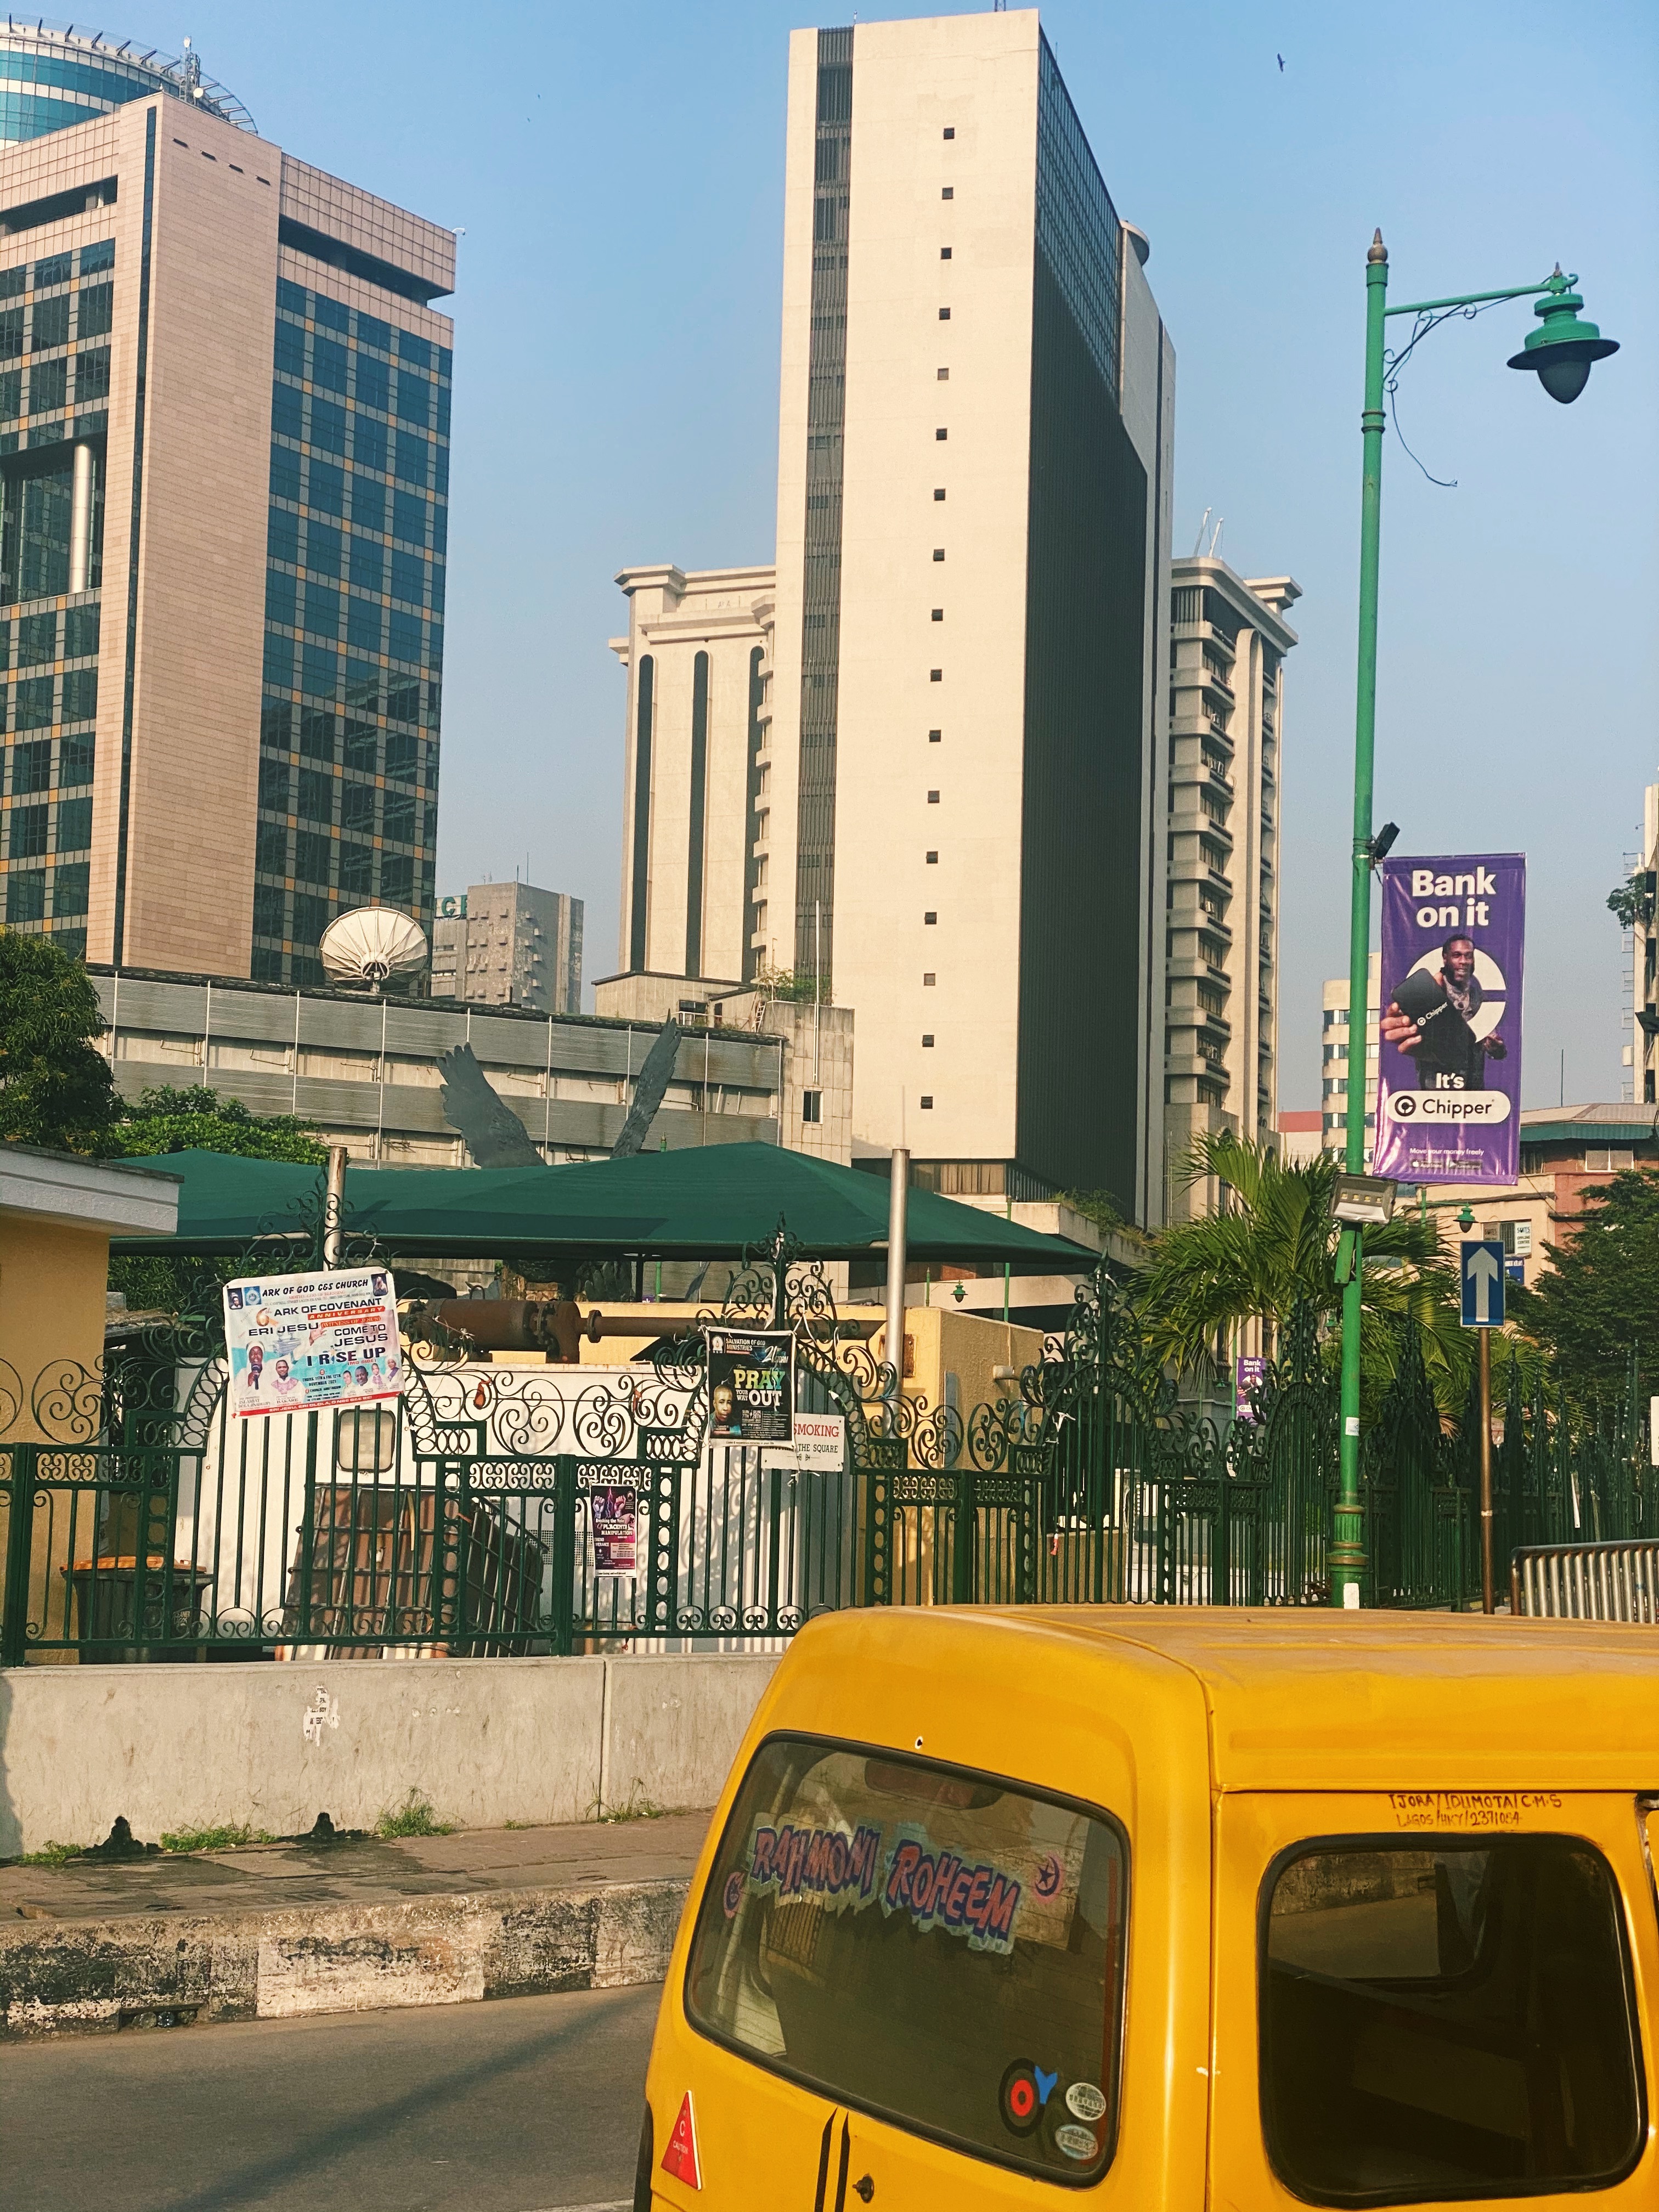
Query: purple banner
[{"x": 1448, "y": 1088}]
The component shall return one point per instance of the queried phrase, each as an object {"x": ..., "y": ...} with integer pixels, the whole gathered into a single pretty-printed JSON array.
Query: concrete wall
[{"x": 487, "y": 1740}]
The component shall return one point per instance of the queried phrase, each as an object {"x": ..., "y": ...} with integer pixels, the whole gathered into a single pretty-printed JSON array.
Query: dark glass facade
[
  {"x": 1079, "y": 1089},
  {"x": 55, "y": 320},
  {"x": 826, "y": 414},
  {"x": 354, "y": 626}
]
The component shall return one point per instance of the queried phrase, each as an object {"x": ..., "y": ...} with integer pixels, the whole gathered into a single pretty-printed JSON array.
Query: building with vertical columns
[
  {"x": 224, "y": 416},
  {"x": 955, "y": 816},
  {"x": 697, "y": 833},
  {"x": 1228, "y": 641}
]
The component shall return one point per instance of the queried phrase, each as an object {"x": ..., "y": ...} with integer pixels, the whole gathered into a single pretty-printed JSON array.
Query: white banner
[
  {"x": 819, "y": 1447},
  {"x": 297, "y": 1341}
]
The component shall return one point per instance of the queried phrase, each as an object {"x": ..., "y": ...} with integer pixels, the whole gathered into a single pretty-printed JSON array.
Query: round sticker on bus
[
  {"x": 1022, "y": 2107},
  {"x": 1076, "y": 2142},
  {"x": 1085, "y": 2100}
]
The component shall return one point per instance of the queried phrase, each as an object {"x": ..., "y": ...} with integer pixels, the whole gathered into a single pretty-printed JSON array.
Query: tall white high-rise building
[
  {"x": 955, "y": 811},
  {"x": 1229, "y": 639}
]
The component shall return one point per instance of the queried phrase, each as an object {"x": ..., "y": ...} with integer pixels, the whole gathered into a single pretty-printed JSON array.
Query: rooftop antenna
[
  {"x": 1221, "y": 524},
  {"x": 1198, "y": 543}
]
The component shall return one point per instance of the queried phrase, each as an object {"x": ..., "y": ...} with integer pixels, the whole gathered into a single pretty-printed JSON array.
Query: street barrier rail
[{"x": 1586, "y": 1581}]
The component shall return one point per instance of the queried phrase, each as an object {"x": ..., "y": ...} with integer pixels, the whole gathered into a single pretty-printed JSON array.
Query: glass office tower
[{"x": 224, "y": 421}]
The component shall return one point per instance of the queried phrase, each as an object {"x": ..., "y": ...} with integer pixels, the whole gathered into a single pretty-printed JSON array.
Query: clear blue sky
[{"x": 617, "y": 172}]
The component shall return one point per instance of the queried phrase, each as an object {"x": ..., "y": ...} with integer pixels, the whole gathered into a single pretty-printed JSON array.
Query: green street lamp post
[{"x": 1561, "y": 352}]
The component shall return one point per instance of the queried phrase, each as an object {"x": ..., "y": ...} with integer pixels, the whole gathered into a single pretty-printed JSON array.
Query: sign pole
[{"x": 1486, "y": 1605}]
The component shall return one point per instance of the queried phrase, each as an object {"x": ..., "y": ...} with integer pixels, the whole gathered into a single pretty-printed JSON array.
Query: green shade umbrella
[{"x": 704, "y": 1203}]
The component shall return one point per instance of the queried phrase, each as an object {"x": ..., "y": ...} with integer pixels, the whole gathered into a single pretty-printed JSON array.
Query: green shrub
[{"x": 412, "y": 1818}]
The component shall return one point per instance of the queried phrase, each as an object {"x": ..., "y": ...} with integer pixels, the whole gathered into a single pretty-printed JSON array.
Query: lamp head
[{"x": 1562, "y": 350}]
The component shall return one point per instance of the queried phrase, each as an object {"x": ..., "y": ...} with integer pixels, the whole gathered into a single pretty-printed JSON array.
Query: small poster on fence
[
  {"x": 297, "y": 1341},
  {"x": 613, "y": 1516},
  {"x": 751, "y": 1386}
]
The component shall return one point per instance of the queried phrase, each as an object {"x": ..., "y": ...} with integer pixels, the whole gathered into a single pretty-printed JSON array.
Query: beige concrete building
[
  {"x": 509, "y": 944},
  {"x": 956, "y": 815},
  {"x": 814, "y": 1043},
  {"x": 1228, "y": 641},
  {"x": 1334, "y": 1057},
  {"x": 224, "y": 468},
  {"x": 697, "y": 799},
  {"x": 363, "y": 1071}
]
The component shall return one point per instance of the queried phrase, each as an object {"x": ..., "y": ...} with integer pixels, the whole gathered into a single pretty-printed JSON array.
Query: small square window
[
  {"x": 938, "y": 552},
  {"x": 949, "y": 194},
  {"x": 933, "y": 799},
  {"x": 935, "y": 737},
  {"x": 927, "y": 1040},
  {"x": 944, "y": 314},
  {"x": 930, "y": 919},
  {"x": 945, "y": 253},
  {"x": 938, "y": 614},
  {"x": 811, "y": 1106},
  {"x": 950, "y": 130},
  {"x": 936, "y": 675},
  {"x": 926, "y": 1101},
  {"x": 933, "y": 860},
  {"x": 939, "y": 492},
  {"x": 941, "y": 435},
  {"x": 929, "y": 979},
  {"x": 945, "y": 376}
]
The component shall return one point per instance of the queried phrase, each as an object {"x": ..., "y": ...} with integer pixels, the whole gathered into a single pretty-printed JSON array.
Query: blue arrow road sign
[{"x": 1483, "y": 1282}]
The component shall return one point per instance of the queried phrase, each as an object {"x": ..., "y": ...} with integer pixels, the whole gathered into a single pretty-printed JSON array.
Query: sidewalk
[{"x": 278, "y": 1930}]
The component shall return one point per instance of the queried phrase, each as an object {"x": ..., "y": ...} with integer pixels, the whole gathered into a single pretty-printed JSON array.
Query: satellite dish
[{"x": 369, "y": 946}]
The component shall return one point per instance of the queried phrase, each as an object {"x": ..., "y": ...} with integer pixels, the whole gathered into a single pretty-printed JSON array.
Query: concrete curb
[{"x": 172, "y": 1970}]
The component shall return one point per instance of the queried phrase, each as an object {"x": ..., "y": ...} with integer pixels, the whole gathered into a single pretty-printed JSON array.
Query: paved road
[{"x": 525, "y": 2105}]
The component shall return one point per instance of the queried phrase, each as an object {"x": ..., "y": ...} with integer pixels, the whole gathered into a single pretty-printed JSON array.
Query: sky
[{"x": 617, "y": 173}]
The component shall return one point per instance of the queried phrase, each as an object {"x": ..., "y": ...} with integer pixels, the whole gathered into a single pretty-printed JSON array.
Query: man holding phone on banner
[
  {"x": 1449, "y": 1038},
  {"x": 1430, "y": 1018}
]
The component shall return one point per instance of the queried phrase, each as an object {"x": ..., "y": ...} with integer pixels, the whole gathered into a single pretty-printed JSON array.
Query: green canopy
[{"x": 703, "y": 1203}]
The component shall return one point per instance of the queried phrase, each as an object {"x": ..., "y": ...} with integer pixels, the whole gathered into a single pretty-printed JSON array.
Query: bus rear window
[
  {"x": 1448, "y": 2021},
  {"x": 923, "y": 1942}
]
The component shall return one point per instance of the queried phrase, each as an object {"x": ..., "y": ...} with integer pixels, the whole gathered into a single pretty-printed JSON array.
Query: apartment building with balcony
[
  {"x": 1228, "y": 643},
  {"x": 509, "y": 944},
  {"x": 1334, "y": 1057}
]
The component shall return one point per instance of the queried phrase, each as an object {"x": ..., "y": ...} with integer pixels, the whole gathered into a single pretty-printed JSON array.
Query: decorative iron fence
[{"x": 497, "y": 1510}]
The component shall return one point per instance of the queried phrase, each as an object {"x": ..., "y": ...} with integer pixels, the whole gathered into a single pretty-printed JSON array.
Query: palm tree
[{"x": 1271, "y": 1246}]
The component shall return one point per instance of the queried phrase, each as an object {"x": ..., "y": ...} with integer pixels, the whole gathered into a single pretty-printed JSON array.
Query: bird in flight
[{"x": 1279, "y": 59}]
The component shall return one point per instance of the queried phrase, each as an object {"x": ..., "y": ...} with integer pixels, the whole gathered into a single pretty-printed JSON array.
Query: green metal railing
[{"x": 515, "y": 1511}]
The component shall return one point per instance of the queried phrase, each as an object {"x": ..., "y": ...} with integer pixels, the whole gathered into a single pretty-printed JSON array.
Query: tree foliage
[
  {"x": 166, "y": 1120},
  {"x": 1598, "y": 1299},
  {"x": 1631, "y": 902},
  {"x": 56, "y": 1088},
  {"x": 1272, "y": 1245}
]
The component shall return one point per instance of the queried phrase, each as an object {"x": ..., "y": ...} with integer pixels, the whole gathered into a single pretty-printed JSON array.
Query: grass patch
[
  {"x": 54, "y": 1855},
  {"x": 637, "y": 1806},
  {"x": 228, "y": 1837},
  {"x": 412, "y": 1818}
]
